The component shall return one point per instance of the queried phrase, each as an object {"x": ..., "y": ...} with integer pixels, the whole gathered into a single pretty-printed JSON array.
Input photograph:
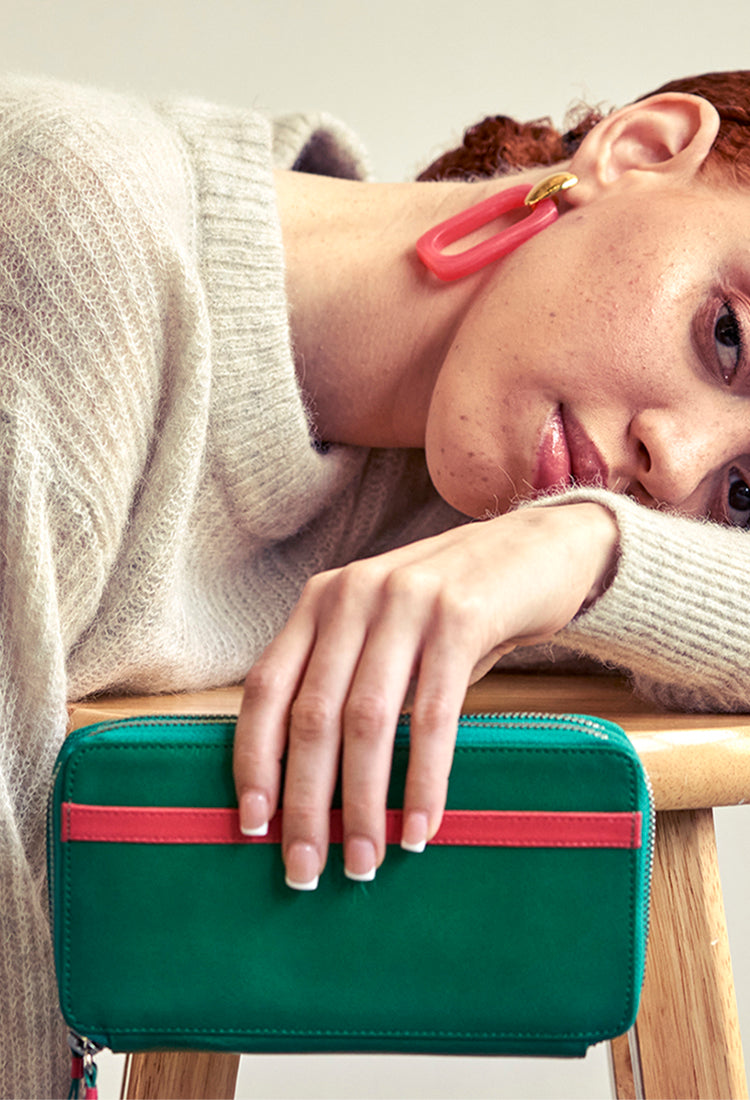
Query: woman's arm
[
  {"x": 658, "y": 595},
  {"x": 89, "y": 208},
  {"x": 439, "y": 613}
]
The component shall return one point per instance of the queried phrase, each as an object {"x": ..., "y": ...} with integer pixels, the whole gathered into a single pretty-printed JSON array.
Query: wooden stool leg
[
  {"x": 687, "y": 1028},
  {"x": 625, "y": 1075},
  {"x": 180, "y": 1075}
]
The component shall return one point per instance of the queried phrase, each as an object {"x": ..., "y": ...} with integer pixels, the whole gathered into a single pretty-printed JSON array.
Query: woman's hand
[{"x": 329, "y": 689}]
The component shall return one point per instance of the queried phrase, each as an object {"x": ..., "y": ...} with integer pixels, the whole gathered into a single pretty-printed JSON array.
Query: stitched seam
[{"x": 341, "y": 1032}]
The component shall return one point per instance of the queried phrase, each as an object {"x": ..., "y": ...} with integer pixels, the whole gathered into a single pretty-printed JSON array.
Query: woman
[
  {"x": 216, "y": 384},
  {"x": 609, "y": 351}
]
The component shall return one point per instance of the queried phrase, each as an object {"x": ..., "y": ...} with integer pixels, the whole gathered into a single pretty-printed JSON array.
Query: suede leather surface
[{"x": 455, "y": 950}]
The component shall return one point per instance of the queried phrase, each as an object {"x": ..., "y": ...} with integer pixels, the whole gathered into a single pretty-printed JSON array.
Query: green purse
[{"x": 520, "y": 930}]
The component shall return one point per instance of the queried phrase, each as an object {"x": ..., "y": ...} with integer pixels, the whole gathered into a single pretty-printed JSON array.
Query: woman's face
[{"x": 612, "y": 349}]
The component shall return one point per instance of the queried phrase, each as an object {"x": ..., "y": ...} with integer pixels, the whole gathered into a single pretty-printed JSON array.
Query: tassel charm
[{"x": 90, "y": 1091}]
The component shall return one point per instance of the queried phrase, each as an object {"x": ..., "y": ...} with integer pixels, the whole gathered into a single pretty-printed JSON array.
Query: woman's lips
[
  {"x": 566, "y": 455},
  {"x": 553, "y": 469}
]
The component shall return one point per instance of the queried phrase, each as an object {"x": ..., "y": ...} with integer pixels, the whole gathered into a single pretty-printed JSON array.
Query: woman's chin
[
  {"x": 475, "y": 488},
  {"x": 476, "y": 503}
]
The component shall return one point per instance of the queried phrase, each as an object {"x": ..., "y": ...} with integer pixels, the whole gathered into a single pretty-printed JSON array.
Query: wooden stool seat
[{"x": 686, "y": 1041}]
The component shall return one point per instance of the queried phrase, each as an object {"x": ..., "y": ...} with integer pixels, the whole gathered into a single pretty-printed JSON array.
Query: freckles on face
[
  {"x": 592, "y": 316},
  {"x": 471, "y": 434}
]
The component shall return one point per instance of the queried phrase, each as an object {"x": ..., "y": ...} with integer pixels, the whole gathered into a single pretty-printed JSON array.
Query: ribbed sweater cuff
[{"x": 664, "y": 614}]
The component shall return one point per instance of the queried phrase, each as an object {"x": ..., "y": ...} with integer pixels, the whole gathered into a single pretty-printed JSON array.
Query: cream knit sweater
[{"x": 161, "y": 500}]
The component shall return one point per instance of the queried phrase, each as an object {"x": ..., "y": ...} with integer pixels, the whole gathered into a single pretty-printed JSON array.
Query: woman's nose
[{"x": 671, "y": 456}]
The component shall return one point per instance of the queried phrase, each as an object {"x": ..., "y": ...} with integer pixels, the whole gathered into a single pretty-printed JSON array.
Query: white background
[{"x": 408, "y": 76}]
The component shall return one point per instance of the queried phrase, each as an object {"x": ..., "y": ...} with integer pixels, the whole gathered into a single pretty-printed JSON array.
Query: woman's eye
[
  {"x": 738, "y": 500},
  {"x": 728, "y": 339}
]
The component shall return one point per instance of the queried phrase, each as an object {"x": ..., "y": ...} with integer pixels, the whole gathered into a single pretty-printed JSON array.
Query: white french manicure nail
[
  {"x": 302, "y": 864},
  {"x": 363, "y": 876},
  {"x": 253, "y": 813},
  {"x": 419, "y": 847},
  {"x": 414, "y": 836},
  {"x": 311, "y": 885}
]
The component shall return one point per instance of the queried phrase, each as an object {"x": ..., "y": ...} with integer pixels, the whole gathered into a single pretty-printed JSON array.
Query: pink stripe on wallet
[{"x": 482, "y": 828}]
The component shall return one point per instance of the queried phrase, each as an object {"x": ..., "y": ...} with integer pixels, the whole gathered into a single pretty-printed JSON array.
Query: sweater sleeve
[
  {"x": 85, "y": 290},
  {"x": 675, "y": 614},
  {"x": 320, "y": 144}
]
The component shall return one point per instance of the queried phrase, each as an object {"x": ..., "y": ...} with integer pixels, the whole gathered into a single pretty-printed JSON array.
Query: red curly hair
[{"x": 499, "y": 144}]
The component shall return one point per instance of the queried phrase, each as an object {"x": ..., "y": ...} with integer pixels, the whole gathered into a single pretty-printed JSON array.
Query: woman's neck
[{"x": 370, "y": 325}]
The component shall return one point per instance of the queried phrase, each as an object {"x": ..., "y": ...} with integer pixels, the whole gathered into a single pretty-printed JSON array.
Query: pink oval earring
[{"x": 543, "y": 213}]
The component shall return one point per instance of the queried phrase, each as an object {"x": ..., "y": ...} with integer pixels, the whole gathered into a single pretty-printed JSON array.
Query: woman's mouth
[{"x": 566, "y": 456}]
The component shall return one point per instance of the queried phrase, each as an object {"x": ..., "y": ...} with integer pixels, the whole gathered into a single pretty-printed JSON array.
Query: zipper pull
[
  {"x": 83, "y": 1067},
  {"x": 76, "y": 1065},
  {"x": 90, "y": 1091}
]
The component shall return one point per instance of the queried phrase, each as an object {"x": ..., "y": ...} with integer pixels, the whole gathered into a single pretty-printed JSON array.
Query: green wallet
[{"x": 521, "y": 929}]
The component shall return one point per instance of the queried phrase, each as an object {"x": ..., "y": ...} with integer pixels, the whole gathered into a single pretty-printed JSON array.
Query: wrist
[{"x": 598, "y": 528}]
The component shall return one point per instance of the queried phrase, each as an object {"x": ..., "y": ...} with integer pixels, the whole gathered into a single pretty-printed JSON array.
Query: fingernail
[
  {"x": 414, "y": 835},
  {"x": 253, "y": 813},
  {"x": 360, "y": 859},
  {"x": 302, "y": 867}
]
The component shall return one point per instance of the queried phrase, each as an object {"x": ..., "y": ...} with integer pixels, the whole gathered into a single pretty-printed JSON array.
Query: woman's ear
[{"x": 667, "y": 136}]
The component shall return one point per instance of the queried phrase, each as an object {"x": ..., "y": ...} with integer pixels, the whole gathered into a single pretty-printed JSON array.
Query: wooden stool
[{"x": 686, "y": 1041}]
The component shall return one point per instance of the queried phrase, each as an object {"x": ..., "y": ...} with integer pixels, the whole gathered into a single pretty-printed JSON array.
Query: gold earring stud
[{"x": 549, "y": 186}]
